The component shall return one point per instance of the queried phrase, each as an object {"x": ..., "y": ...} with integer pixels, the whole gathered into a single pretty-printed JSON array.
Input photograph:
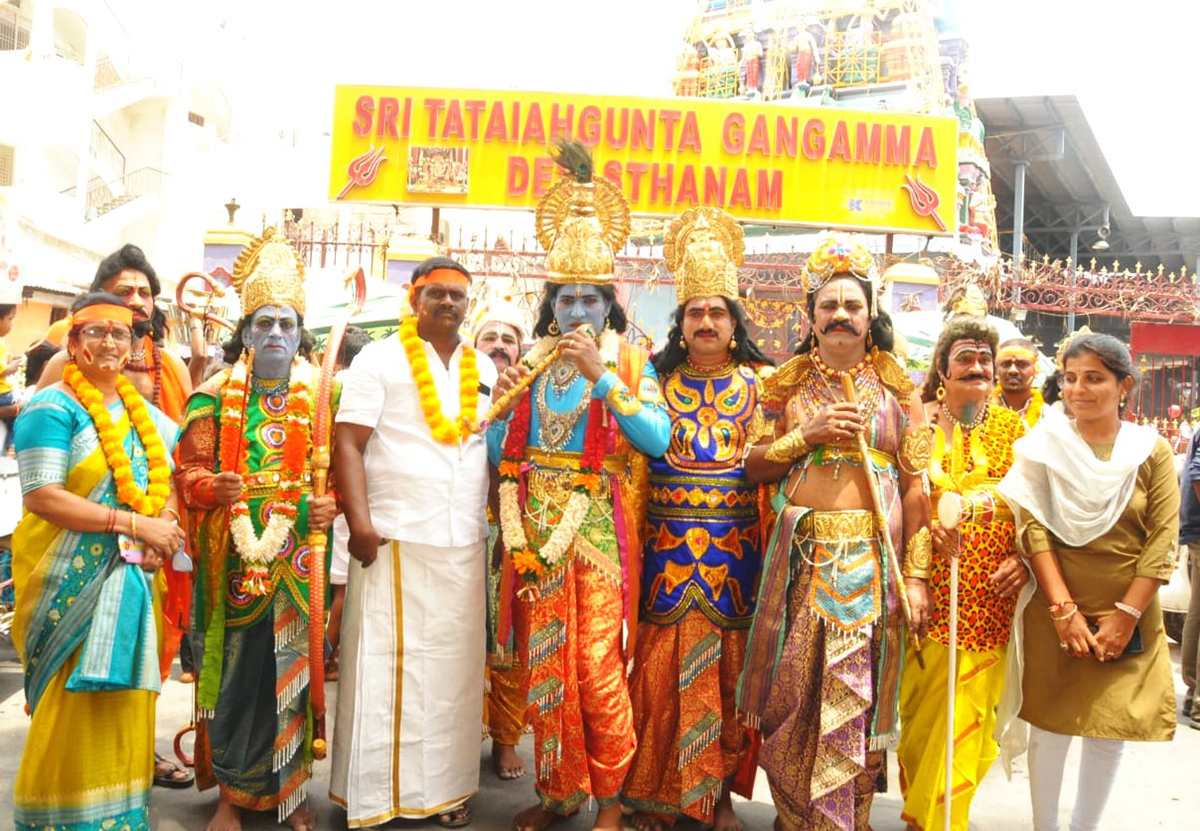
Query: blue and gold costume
[
  {"x": 701, "y": 561},
  {"x": 702, "y": 541},
  {"x": 702, "y": 552}
]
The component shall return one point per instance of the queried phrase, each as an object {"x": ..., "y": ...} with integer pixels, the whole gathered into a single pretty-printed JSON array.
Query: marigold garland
[
  {"x": 257, "y": 552},
  {"x": 1031, "y": 412},
  {"x": 443, "y": 429},
  {"x": 151, "y": 501}
]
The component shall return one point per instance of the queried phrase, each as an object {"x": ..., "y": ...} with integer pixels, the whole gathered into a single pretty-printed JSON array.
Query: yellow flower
[{"x": 525, "y": 561}]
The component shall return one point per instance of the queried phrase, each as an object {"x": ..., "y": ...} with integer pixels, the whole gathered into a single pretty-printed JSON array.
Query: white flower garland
[{"x": 257, "y": 550}]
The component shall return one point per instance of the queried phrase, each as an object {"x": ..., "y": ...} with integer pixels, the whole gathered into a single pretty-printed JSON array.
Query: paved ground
[{"x": 1157, "y": 787}]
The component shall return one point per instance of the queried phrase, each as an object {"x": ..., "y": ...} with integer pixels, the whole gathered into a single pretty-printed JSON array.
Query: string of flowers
[
  {"x": 258, "y": 552},
  {"x": 530, "y": 564},
  {"x": 1032, "y": 411},
  {"x": 443, "y": 429},
  {"x": 149, "y": 502}
]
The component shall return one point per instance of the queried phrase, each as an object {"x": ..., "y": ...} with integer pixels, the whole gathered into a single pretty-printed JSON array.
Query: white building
[{"x": 104, "y": 139}]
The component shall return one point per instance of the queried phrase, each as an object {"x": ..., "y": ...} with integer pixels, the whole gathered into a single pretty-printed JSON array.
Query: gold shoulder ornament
[
  {"x": 779, "y": 385},
  {"x": 891, "y": 373}
]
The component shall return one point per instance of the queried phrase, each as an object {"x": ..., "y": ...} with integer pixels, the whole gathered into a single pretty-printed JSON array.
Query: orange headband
[
  {"x": 442, "y": 275},
  {"x": 1016, "y": 350},
  {"x": 102, "y": 311}
]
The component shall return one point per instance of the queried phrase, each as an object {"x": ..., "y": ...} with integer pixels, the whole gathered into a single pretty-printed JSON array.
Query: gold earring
[
  {"x": 1121, "y": 403},
  {"x": 941, "y": 392},
  {"x": 732, "y": 344},
  {"x": 553, "y": 327},
  {"x": 683, "y": 344}
]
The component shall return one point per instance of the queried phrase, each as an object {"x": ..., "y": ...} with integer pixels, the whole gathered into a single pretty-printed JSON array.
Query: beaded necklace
[
  {"x": 704, "y": 371},
  {"x": 154, "y": 368},
  {"x": 967, "y": 426}
]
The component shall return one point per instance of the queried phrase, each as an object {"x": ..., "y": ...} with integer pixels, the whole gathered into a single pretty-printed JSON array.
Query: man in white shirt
[{"x": 413, "y": 478}]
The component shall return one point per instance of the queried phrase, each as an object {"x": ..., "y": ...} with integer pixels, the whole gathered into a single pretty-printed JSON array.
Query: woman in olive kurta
[{"x": 1098, "y": 507}]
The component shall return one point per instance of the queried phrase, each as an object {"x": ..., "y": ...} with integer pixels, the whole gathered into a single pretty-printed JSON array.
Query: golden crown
[
  {"x": 836, "y": 255},
  {"x": 269, "y": 272},
  {"x": 704, "y": 248},
  {"x": 582, "y": 222}
]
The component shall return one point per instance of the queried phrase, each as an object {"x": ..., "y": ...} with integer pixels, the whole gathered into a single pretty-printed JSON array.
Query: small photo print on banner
[{"x": 438, "y": 169}]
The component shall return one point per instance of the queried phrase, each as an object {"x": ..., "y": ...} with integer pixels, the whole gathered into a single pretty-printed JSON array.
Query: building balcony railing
[
  {"x": 103, "y": 197},
  {"x": 14, "y": 29}
]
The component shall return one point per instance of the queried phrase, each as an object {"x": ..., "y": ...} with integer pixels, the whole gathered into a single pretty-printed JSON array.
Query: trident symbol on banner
[
  {"x": 362, "y": 170},
  {"x": 924, "y": 199}
]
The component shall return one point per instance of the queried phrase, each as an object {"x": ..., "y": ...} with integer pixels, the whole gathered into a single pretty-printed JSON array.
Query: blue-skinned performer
[
  {"x": 702, "y": 552},
  {"x": 572, "y": 461},
  {"x": 245, "y": 479}
]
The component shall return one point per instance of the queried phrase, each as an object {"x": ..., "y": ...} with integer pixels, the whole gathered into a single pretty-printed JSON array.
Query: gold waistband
[
  {"x": 834, "y": 453},
  {"x": 551, "y": 476},
  {"x": 568, "y": 460},
  {"x": 837, "y": 526}
]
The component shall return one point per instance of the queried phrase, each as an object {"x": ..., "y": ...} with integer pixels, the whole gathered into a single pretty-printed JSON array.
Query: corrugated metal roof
[{"x": 1058, "y": 191}]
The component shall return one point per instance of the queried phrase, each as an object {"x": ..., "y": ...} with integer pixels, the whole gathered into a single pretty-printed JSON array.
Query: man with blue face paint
[
  {"x": 572, "y": 460},
  {"x": 244, "y": 476}
]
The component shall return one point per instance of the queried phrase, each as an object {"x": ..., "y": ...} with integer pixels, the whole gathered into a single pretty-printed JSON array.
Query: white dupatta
[{"x": 1057, "y": 479}]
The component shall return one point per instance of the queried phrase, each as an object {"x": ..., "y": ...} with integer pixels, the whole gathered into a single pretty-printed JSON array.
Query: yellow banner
[{"x": 765, "y": 163}]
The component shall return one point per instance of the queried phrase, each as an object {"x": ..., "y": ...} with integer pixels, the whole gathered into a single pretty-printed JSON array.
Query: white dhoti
[{"x": 410, "y": 696}]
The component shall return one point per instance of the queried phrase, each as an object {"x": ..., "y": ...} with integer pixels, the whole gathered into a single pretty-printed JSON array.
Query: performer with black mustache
[{"x": 823, "y": 658}]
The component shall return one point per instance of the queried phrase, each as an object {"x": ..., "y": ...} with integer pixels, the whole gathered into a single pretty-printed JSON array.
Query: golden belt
[
  {"x": 838, "y": 526},
  {"x": 551, "y": 476},
  {"x": 569, "y": 460},
  {"x": 832, "y": 453}
]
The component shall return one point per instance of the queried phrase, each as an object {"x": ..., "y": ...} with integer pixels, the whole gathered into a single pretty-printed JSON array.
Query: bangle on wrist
[
  {"x": 1132, "y": 611},
  {"x": 1067, "y": 616},
  {"x": 1057, "y": 607},
  {"x": 133, "y": 524},
  {"x": 174, "y": 514}
]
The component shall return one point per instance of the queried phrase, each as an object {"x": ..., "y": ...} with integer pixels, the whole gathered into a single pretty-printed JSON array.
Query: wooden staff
[
  {"x": 318, "y": 540},
  {"x": 881, "y": 520}
]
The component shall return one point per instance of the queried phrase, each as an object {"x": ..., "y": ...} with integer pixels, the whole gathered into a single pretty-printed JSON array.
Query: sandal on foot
[
  {"x": 455, "y": 817},
  {"x": 173, "y": 776}
]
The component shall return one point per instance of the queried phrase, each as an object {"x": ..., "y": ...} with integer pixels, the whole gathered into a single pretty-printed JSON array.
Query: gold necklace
[
  {"x": 555, "y": 428},
  {"x": 563, "y": 373}
]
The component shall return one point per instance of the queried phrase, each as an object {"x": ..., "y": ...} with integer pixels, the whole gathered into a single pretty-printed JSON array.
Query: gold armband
[
  {"x": 622, "y": 400},
  {"x": 788, "y": 448},
  {"x": 918, "y": 554},
  {"x": 915, "y": 450}
]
